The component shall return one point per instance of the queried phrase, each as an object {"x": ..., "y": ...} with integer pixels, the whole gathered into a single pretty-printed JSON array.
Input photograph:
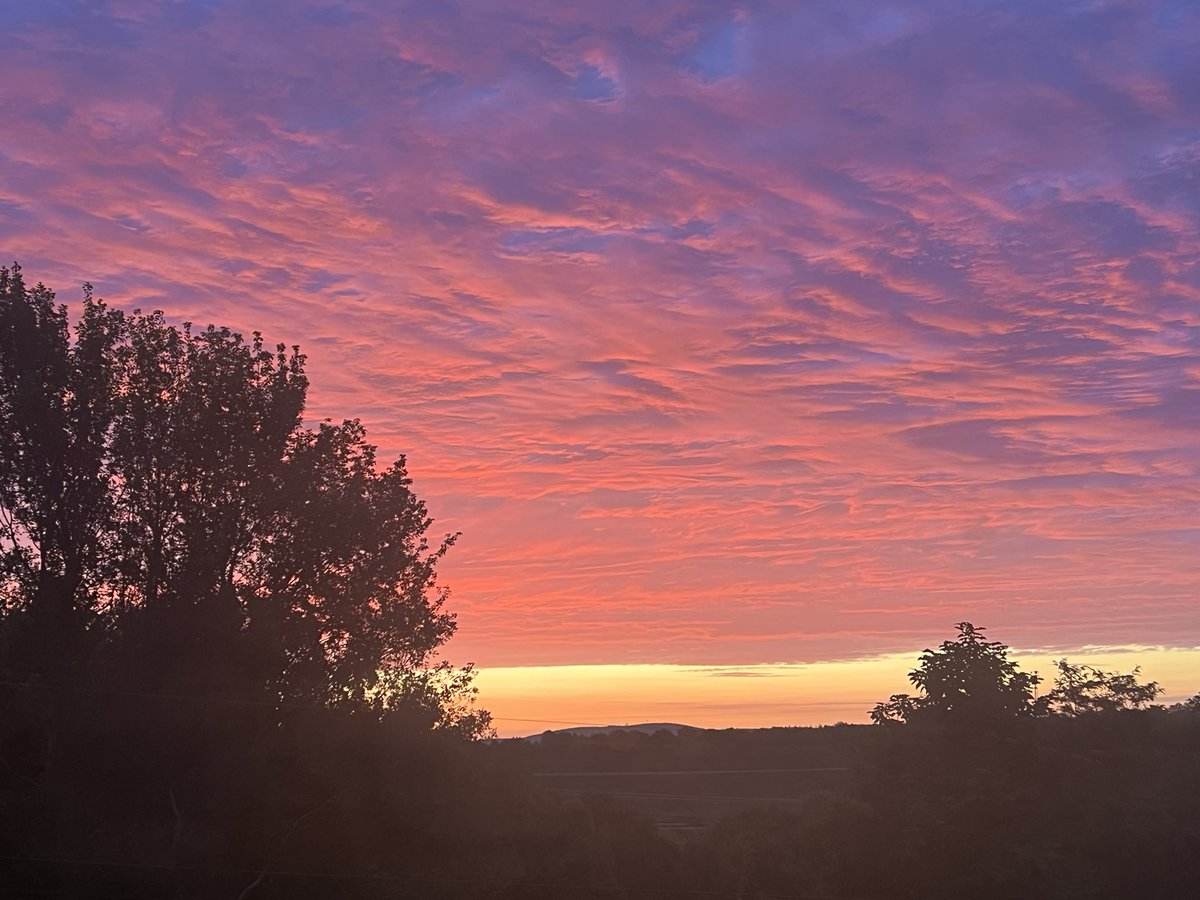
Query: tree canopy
[
  {"x": 1080, "y": 689},
  {"x": 969, "y": 681},
  {"x": 166, "y": 516}
]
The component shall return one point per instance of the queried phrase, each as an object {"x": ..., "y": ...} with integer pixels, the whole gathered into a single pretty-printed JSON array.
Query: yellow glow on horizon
[{"x": 532, "y": 699}]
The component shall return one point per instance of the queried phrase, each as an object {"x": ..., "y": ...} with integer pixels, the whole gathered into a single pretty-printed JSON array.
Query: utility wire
[
  {"x": 272, "y": 704},
  {"x": 695, "y": 772},
  {"x": 711, "y": 797}
]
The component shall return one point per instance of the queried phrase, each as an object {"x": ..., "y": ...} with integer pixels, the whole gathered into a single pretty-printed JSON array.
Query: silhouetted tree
[
  {"x": 1080, "y": 689},
  {"x": 968, "y": 681},
  {"x": 1190, "y": 705},
  {"x": 166, "y": 518}
]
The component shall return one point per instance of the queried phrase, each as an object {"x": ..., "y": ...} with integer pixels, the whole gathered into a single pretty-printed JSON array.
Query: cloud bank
[{"x": 726, "y": 333}]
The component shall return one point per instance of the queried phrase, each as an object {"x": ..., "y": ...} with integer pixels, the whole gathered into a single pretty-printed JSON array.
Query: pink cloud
[{"x": 724, "y": 334}]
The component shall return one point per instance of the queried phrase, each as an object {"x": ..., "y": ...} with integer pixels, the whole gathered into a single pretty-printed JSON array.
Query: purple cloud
[{"x": 725, "y": 334}]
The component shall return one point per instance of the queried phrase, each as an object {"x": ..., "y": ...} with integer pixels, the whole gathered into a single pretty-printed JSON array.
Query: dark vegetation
[{"x": 219, "y": 677}]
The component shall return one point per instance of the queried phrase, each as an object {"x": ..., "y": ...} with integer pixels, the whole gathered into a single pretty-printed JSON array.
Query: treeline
[{"x": 168, "y": 520}]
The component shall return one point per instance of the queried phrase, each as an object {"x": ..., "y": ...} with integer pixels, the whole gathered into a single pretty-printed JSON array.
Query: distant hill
[{"x": 594, "y": 730}]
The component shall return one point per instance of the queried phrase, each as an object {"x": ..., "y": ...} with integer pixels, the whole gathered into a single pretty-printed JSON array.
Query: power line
[
  {"x": 271, "y": 704},
  {"x": 165, "y": 695},
  {"x": 709, "y": 797},
  {"x": 696, "y": 772},
  {"x": 284, "y": 704},
  {"x": 240, "y": 701},
  {"x": 551, "y": 722}
]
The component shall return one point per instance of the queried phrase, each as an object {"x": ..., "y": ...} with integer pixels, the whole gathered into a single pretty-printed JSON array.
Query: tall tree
[
  {"x": 968, "y": 681},
  {"x": 166, "y": 515}
]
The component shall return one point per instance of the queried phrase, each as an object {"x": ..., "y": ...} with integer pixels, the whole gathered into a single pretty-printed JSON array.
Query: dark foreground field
[
  {"x": 684, "y": 783},
  {"x": 158, "y": 803},
  {"x": 1101, "y": 806}
]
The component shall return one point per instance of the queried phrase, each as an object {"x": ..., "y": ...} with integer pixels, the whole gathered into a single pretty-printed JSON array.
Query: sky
[{"x": 729, "y": 336}]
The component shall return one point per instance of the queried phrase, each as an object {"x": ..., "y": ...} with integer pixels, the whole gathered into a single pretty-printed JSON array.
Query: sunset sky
[{"x": 738, "y": 340}]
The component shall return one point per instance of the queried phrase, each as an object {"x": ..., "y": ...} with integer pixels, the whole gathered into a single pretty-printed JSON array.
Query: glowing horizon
[
  {"x": 532, "y": 699},
  {"x": 726, "y": 334}
]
